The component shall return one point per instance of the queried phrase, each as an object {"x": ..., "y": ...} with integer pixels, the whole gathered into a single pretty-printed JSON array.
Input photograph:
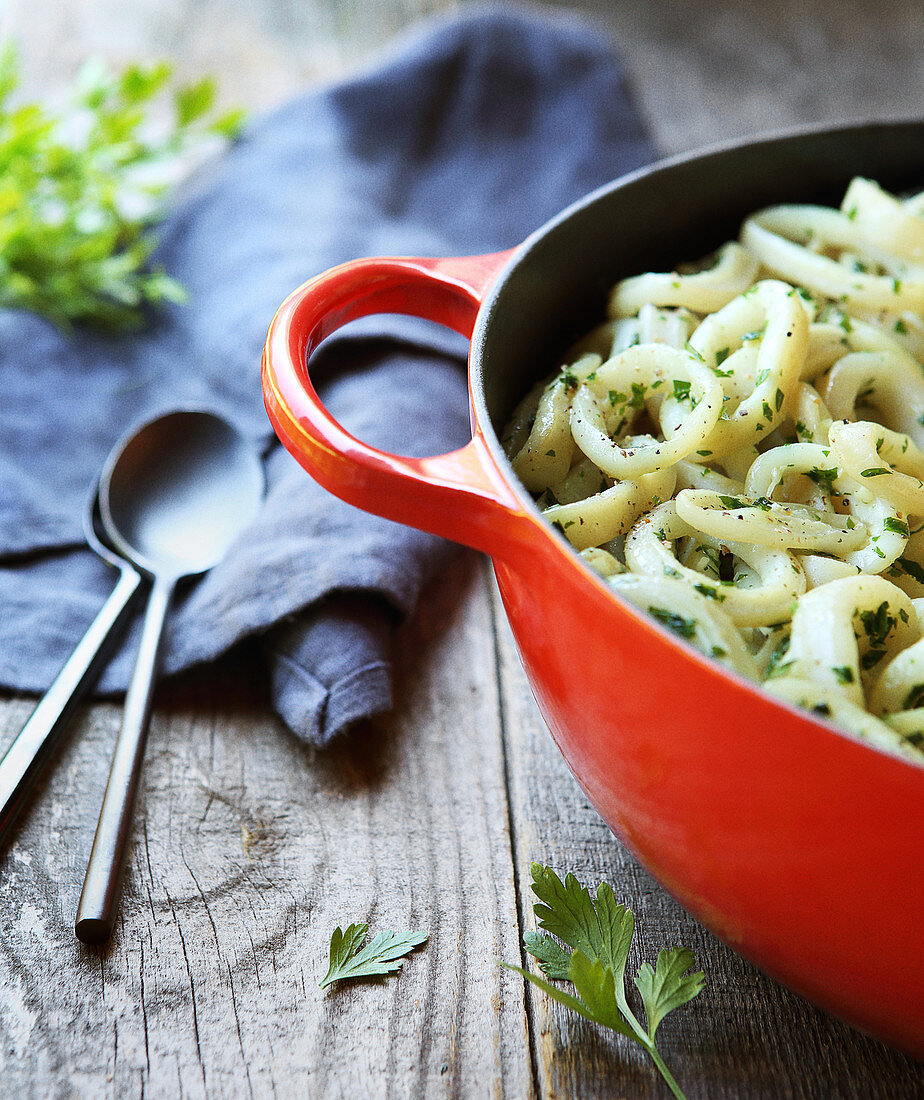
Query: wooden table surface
[{"x": 248, "y": 848}]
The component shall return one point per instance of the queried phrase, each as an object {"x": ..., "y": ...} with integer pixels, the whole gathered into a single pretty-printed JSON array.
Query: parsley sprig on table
[
  {"x": 82, "y": 187},
  {"x": 383, "y": 954},
  {"x": 599, "y": 933}
]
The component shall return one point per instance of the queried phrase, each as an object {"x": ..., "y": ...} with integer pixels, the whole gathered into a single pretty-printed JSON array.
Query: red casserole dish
[{"x": 795, "y": 843}]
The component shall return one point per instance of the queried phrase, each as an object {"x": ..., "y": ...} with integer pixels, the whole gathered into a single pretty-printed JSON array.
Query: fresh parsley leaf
[
  {"x": 553, "y": 959},
  {"x": 601, "y": 992},
  {"x": 637, "y": 401},
  {"x": 383, "y": 954},
  {"x": 599, "y": 932},
  {"x": 709, "y": 591},
  {"x": 668, "y": 986},
  {"x": 878, "y": 623},
  {"x": 566, "y": 910},
  {"x": 555, "y": 992}
]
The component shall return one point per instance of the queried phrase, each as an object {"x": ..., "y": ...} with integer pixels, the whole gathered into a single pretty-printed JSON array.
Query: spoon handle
[
  {"x": 100, "y": 896},
  {"x": 32, "y": 748}
]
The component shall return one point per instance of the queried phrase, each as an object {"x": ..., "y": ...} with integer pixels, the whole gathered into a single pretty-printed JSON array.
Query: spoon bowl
[{"x": 175, "y": 495}]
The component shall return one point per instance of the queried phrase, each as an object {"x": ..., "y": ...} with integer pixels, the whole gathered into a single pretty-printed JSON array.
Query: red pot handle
[{"x": 460, "y": 495}]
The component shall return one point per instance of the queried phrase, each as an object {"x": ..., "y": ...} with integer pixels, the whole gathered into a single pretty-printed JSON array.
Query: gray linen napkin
[{"x": 472, "y": 133}]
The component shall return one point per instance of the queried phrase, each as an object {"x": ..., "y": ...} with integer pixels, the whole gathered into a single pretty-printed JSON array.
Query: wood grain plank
[{"x": 248, "y": 850}]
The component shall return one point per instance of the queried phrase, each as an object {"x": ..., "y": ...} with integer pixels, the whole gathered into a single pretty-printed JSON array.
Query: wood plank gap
[{"x": 531, "y": 1023}]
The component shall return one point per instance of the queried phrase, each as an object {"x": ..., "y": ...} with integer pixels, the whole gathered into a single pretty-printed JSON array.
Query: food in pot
[{"x": 739, "y": 451}]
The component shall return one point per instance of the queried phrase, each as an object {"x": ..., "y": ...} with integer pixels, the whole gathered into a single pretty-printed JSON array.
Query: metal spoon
[
  {"x": 31, "y": 750},
  {"x": 173, "y": 498}
]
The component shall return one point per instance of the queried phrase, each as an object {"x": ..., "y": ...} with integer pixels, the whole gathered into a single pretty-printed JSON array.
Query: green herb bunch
[
  {"x": 597, "y": 934},
  {"x": 81, "y": 189}
]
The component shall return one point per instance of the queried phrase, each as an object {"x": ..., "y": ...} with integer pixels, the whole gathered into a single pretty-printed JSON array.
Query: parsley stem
[{"x": 665, "y": 1072}]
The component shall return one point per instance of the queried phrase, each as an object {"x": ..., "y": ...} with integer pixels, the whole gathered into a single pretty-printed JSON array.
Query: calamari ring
[
  {"x": 649, "y": 551},
  {"x": 734, "y": 271},
  {"x": 830, "y": 705},
  {"x": 831, "y": 340},
  {"x": 680, "y": 608},
  {"x": 637, "y": 374},
  {"x": 769, "y": 313},
  {"x": 882, "y": 221},
  {"x": 868, "y": 451},
  {"x": 900, "y": 686},
  {"x": 607, "y": 514},
  {"x": 779, "y": 236},
  {"x": 765, "y": 522},
  {"x": 892, "y": 383},
  {"x": 823, "y": 644},
  {"x": 545, "y": 457},
  {"x": 885, "y": 526}
]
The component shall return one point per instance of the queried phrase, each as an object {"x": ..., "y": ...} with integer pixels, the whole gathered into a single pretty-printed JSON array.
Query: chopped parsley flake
[
  {"x": 823, "y": 478},
  {"x": 686, "y": 628},
  {"x": 709, "y": 592},
  {"x": 896, "y": 525},
  {"x": 911, "y": 568},
  {"x": 681, "y": 390},
  {"x": 914, "y": 698},
  {"x": 872, "y": 658},
  {"x": 878, "y": 623}
]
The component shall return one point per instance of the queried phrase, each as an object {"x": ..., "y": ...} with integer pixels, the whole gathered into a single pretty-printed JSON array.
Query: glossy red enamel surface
[
  {"x": 444, "y": 494},
  {"x": 796, "y": 844}
]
